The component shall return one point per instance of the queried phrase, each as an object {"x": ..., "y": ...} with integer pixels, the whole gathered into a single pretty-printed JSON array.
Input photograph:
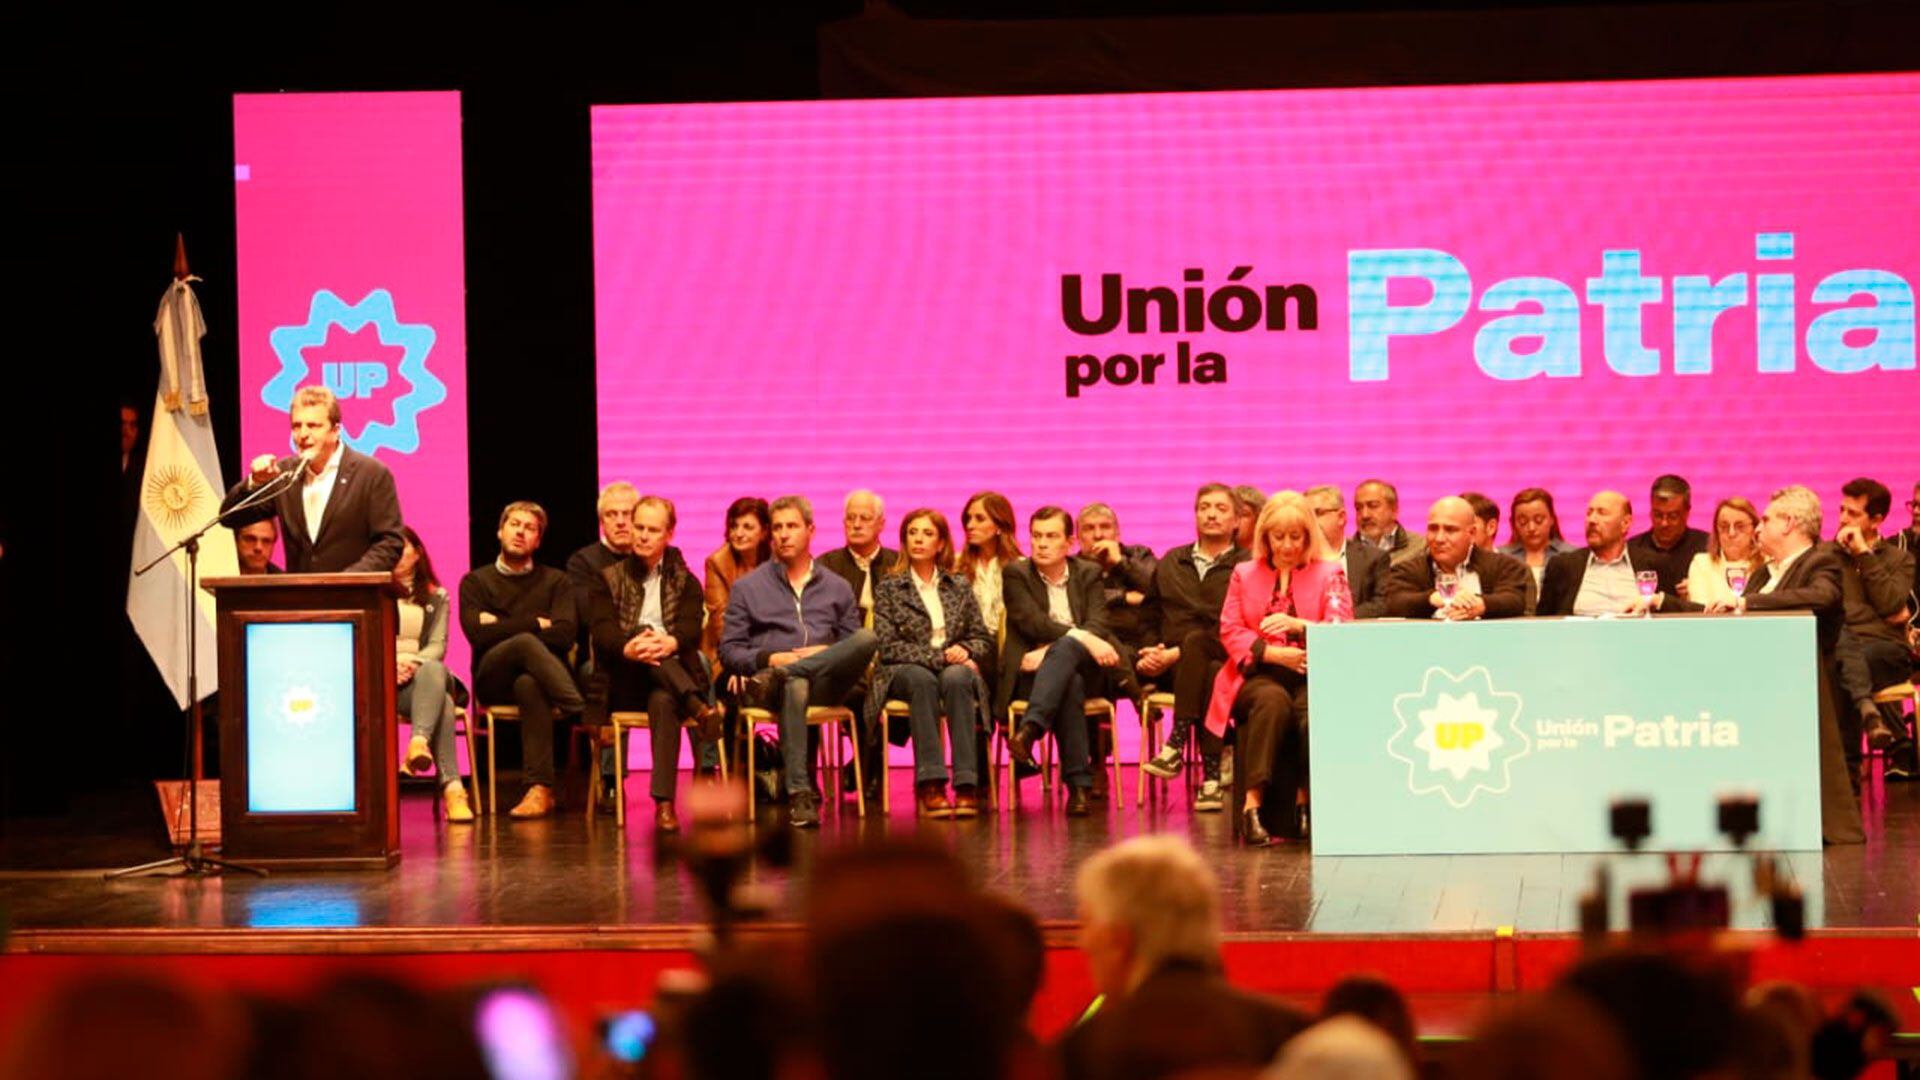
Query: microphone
[{"x": 289, "y": 466}]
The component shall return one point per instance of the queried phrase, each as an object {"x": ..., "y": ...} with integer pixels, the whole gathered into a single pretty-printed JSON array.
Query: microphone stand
[{"x": 195, "y": 862}]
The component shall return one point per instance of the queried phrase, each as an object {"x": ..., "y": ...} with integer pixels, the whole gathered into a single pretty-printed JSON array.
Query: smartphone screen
[{"x": 520, "y": 1036}]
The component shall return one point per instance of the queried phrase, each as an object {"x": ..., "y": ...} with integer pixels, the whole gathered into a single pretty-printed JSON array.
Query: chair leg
[
  {"x": 1006, "y": 743},
  {"x": 753, "y": 785},
  {"x": 620, "y": 775},
  {"x": 1113, "y": 728},
  {"x": 1149, "y": 743},
  {"x": 720, "y": 752},
  {"x": 493, "y": 770},
  {"x": 473, "y": 762},
  {"x": 859, "y": 782},
  {"x": 593, "y": 774}
]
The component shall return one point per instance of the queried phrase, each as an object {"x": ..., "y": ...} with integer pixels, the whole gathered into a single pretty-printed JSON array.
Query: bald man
[
  {"x": 1487, "y": 585},
  {"x": 1597, "y": 579}
]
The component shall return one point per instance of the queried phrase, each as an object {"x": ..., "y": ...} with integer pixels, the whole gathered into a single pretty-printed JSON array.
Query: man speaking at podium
[{"x": 341, "y": 514}]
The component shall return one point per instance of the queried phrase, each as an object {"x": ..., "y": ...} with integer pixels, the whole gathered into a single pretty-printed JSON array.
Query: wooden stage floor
[{"x": 568, "y": 872}]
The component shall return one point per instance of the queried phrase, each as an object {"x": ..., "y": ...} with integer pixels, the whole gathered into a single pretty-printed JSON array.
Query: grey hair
[
  {"x": 792, "y": 502},
  {"x": 879, "y": 504},
  {"x": 1160, "y": 889},
  {"x": 1331, "y": 491},
  {"x": 1802, "y": 505}
]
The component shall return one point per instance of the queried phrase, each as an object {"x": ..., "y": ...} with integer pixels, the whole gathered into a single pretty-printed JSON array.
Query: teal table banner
[{"x": 1514, "y": 735}]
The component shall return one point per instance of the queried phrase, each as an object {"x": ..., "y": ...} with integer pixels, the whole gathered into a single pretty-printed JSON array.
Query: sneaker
[
  {"x": 1211, "y": 799},
  {"x": 453, "y": 798},
  {"x": 1167, "y": 763},
  {"x": 803, "y": 810},
  {"x": 1226, "y": 767}
]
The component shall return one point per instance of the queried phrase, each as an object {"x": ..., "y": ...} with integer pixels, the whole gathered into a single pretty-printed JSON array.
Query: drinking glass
[{"x": 1649, "y": 582}]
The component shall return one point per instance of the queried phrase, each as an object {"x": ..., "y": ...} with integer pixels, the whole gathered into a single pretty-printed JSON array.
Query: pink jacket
[{"x": 1246, "y": 604}]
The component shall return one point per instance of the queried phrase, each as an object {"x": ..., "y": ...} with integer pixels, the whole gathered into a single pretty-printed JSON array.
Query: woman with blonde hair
[
  {"x": 1732, "y": 555},
  {"x": 1293, "y": 581}
]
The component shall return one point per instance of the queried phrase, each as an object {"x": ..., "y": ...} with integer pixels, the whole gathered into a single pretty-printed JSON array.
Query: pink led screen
[
  {"x": 1116, "y": 298},
  {"x": 352, "y": 274}
]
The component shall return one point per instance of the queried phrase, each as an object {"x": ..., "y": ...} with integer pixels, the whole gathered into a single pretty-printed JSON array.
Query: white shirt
[
  {"x": 1058, "y": 604},
  {"x": 1778, "y": 570},
  {"x": 316, "y": 490},
  {"x": 1608, "y": 587},
  {"x": 987, "y": 593},
  {"x": 650, "y": 616},
  {"x": 1202, "y": 562},
  {"x": 930, "y": 599}
]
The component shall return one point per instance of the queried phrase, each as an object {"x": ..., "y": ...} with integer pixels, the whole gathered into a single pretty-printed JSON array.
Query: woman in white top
[
  {"x": 987, "y": 522},
  {"x": 423, "y": 685},
  {"x": 1734, "y": 545},
  {"x": 930, "y": 631}
]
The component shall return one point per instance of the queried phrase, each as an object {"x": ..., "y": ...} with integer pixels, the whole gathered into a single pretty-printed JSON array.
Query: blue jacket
[{"x": 764, "y": 617}]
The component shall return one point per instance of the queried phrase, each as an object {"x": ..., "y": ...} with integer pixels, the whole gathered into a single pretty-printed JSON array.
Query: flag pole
[{"x": 195, "y": 862}]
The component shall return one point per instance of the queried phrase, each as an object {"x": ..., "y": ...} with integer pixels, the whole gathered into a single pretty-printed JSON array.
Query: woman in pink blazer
[{"x": 1293, "y": 581}]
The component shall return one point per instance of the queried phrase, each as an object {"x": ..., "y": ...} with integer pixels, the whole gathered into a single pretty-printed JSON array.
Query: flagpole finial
[{"x": 180, "y": 271}]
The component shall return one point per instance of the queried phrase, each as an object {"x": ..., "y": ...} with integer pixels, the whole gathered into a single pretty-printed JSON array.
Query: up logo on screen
[
  {"x": 299, "y": 708},
  {"x": 360, "y": 379},
  {"x": 1458, "y": 736}
]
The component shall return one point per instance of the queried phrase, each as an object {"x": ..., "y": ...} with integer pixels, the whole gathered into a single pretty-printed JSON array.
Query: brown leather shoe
[
  {"x": 453, "y": 798},
  {"x": 933, "y": 800},
  {"x": 664, "y": 819},
  {"x": 1020, "y": 747},
  {"x": 536, "y": 803},
  {"x": 707, "y": 720},
  {"x": 966, "y": 801}
]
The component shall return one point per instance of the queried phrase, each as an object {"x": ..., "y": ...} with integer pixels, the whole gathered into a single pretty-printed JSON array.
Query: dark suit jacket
[
  {"x": 359, "y": 532},
  {"x": 1672, "y": 565},
  {"x": 1029, "y": 625},
  {"x": 1813, "y": 583},
  {"x": 1181, "y": 1018},
  {"x": 1181, "y": 602},
  {"x": 1367, "y": 569},
  {"x": 1503, "y": 586},
  {"x": 1566, "y": 572},
  {"x": 840, "y": 561}
]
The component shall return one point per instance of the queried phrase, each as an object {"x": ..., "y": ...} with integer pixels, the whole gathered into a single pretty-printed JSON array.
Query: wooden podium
[{"x": 309, "y": 777}]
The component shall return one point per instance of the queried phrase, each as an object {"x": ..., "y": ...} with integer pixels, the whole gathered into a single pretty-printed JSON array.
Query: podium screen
[{"x": 300, "y": 700}]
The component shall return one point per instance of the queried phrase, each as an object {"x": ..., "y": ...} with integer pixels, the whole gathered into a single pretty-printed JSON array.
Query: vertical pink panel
[{"x": 352, "y": 274}]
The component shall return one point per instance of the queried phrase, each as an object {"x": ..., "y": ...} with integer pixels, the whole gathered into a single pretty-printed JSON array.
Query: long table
[{"x": 1515, "y": 735}]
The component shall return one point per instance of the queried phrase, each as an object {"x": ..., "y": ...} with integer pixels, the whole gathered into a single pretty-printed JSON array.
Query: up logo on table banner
[
  {"x": 1458, "y": 736},
  {"x": 362, "y": 378}
]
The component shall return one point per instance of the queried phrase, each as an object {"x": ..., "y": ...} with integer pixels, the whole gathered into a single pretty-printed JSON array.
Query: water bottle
[{"x": 1339, "y": 599}]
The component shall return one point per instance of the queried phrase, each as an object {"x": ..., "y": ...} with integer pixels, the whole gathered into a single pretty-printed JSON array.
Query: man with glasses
[{"x": 1668, "y": 546}]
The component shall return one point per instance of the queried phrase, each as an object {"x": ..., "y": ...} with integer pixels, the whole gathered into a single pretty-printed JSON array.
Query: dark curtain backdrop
[{"x": 121, "y": 135}]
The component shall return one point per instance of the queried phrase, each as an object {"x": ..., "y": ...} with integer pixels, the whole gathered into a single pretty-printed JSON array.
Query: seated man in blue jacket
[{"x": 794, "y": 626}]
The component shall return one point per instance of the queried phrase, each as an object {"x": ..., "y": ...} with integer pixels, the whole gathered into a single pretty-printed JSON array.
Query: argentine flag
[{"x": 180, "y": 492}]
